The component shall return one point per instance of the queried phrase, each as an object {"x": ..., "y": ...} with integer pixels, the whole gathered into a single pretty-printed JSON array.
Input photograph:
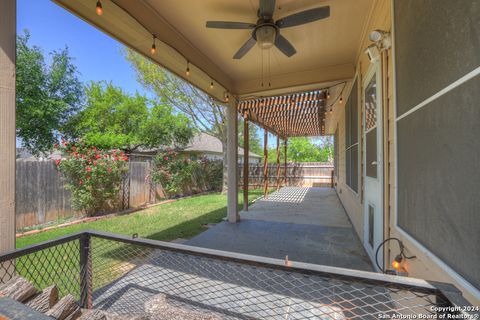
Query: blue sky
[{"x": 96, "y": 55}]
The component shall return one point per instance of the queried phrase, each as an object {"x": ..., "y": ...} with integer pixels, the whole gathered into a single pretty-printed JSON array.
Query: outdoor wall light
[
  {"x": 381, "y": 38},
  {"x": 99, "y": 8}
]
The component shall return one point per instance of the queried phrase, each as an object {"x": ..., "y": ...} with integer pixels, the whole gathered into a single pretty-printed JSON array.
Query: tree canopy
[
  {"x": 112, "y": 118},
  {"x": 303, "y": 149},
  {"x": 47, "y": 95},
  {"x": 206, "y": 114}
]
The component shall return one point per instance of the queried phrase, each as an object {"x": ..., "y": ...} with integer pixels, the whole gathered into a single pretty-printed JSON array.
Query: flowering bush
[
  {"x": 93, "y": 176},
  {"x": 172, "y": 172}
]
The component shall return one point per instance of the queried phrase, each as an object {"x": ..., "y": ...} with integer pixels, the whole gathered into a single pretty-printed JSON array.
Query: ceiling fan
[{"x": 266, "y": 32}]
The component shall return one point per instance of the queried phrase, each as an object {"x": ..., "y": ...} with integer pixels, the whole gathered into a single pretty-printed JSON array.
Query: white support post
[
  {"x": 7, "y": 124},
  {"x": 232, "y": 162}
]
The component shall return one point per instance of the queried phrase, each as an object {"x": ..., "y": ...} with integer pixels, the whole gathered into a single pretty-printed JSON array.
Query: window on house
[{"x": 351, "y": 139}]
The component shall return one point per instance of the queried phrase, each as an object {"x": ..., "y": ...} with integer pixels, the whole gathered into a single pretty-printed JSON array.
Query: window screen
[
  {"x": 351, "y": 139},
  {"x": 438, "y": 145}
]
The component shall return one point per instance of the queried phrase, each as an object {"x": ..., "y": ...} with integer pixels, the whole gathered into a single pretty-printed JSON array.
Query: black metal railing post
[{"x": 85, "y": 271}]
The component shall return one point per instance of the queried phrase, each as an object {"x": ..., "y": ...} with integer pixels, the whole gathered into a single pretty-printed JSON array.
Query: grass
[{"x": 184, "y": 218}]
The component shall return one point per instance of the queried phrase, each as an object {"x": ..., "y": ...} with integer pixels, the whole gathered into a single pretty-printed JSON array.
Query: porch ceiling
[{"x": 326, "y": 49}]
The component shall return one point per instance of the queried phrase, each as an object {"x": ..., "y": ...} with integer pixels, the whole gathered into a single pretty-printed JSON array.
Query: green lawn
[{"x": 184, "y": 218}]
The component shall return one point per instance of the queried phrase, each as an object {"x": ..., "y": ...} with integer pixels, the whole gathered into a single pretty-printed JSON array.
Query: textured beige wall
[
  {"x": 7, "y": 124},
  {"x": 380, "y": 18}
]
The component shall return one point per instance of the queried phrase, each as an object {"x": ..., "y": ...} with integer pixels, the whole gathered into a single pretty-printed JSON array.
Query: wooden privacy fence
[
  {"x": 306, "y": 174},
  {"x": 41, "y": 196}
]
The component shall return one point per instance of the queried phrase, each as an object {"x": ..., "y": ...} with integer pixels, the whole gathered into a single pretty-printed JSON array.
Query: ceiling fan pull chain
[
  {"x": 261, "y": 52},
  {"x": 269, "y": 74}
]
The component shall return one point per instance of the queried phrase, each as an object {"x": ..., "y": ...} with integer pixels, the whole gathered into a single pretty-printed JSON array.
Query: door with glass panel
[{"x": 372, "y": 159}]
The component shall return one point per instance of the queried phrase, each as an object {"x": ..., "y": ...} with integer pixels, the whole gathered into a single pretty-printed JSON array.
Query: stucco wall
[{"x": 380, "y": 18}]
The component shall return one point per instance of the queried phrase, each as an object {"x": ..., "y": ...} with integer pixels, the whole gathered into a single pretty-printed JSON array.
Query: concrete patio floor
[{"x": 307, "y": 224}]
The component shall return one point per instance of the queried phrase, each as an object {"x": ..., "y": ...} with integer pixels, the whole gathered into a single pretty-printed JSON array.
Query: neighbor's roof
[
  {"x": 203, "y": 142},
  {"x": 24, "y": 154}
]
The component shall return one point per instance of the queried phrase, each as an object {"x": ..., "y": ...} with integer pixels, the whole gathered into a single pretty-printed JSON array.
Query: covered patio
[
  {"x": 306, "y": 224},
  {"x": 336, "y": 74}
]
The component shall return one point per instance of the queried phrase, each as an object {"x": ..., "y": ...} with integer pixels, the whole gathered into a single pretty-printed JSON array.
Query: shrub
[
  {"x": 210, "y": 172},
  {"x": 180, "y": 176},
  {"x": 172, "y": 172},
  {"x": 93, "y": 176}
]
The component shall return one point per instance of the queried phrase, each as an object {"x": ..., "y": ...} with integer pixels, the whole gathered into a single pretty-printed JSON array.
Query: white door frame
[{"x": 373, "y": 186}]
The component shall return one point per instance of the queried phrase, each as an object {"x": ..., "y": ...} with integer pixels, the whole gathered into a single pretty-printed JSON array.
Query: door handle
[{"x": 374, "y": 163}]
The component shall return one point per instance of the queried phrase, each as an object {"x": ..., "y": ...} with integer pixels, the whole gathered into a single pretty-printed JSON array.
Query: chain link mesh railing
[
  {"x": 143, "y": 277},
  {"x": 55, "y": 263}
]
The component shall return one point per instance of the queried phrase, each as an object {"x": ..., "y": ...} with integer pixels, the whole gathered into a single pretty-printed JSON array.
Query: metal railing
[{"x": 123, "y": 275}]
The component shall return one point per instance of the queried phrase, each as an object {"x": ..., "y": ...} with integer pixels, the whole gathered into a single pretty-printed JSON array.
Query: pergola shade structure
[{"x": 293, "y": 115}]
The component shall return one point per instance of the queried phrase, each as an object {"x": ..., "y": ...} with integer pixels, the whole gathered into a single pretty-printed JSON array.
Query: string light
[
  {"x": 211, "y": 84},
  {"x": 328, "y": 94},
  {"x": 397, "y": 262},
  {"x": 226, "y": 97},
  {"x": 153, "y": 50},
  {"x": 99, "y": 8},
  {"x": 341, "y": 100},
  {"x": 187, "y": 72}
]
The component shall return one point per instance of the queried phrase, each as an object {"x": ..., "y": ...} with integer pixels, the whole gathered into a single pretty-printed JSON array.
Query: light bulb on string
[
  {"x": 153, "y": 50},
  {"x": 211, "y": 84},
  {"x": 341, "y": 100},
  {"x": 99, "y": 8},
  {"x": 187, "y": 72}
]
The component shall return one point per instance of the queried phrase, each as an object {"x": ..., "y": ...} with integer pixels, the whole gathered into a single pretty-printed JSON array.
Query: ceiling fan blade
[
  {"x": 303, "y": 17},
  {"x": 229, "y": 25},
  {"x": 285, "y": 46},
  {"x": 245, "y": 48},
  {"x": 266, "y": 8}
]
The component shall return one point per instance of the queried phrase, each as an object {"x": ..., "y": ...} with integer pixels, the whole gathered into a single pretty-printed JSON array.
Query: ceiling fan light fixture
[{"x": 266, "y": 36}]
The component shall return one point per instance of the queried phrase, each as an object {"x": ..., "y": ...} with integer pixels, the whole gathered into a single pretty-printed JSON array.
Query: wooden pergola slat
[{"x": 297, "y": 114}]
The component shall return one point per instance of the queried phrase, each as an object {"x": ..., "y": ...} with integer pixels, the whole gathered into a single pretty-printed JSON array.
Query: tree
[
  {"x": 303, "y": 149},
  {"x": 206, "y": 114},
  {"x": 47, "y": 95},
  {"x": 112, "y": 118}
]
